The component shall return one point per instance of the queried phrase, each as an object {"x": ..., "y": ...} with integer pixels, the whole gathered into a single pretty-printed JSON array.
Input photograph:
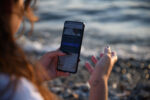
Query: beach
[{"x": 123, "y": 25}]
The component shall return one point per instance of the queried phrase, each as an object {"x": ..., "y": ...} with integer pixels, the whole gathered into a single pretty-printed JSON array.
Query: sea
[{"x": 124, "y": 25}]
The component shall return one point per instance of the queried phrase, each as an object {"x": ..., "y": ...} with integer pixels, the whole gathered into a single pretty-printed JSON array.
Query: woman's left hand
[{"x": 49, "y": 62}]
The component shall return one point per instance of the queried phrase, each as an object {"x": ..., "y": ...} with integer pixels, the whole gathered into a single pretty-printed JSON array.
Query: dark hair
[{"x": 12, "y": 58}]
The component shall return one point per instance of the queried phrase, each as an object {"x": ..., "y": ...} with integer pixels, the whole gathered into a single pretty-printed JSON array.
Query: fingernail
[{"x": 101, "y": 55}]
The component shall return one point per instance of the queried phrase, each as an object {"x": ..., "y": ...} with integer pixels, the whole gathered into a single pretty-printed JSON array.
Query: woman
[{"x": 22, "y": 80}]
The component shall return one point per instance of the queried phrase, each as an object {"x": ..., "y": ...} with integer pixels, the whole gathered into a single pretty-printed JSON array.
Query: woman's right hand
[{"x": 103, "y": 66}]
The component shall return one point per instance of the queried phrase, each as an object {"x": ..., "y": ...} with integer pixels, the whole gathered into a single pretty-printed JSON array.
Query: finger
[
  {"x": 59, "y": 73},
  {"x": 107, "y": 50},
  {"x": 89, "y": 67},
  {"x": 114, "y": 56},
  {"x": 56, "y": 53},
  {"x": 54, "y": 61},
  {"x": 113, "y": 53},
  {"x": 94, "y": 60},
  {"x": 65, "y": 74},
  {"x": 101, "y": 55}
]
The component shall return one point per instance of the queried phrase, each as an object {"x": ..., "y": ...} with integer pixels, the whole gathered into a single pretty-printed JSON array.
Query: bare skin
[
  {"x": 15, "y": 20},
  {"x": 49, "y": 62},
  {"x": 99, "y": 74}
]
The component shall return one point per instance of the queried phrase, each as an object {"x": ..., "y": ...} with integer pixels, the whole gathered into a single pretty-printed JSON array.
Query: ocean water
[{"x": 122, "y": 24}]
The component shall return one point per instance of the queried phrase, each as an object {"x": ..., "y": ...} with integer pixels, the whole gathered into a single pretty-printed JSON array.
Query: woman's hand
[
  {"x": 49, "y": 62},
  {"x": 103, "y": 66},
  {"x": 100, "y": 74}
]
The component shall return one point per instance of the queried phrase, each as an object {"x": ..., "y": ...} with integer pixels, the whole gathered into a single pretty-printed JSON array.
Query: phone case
[{"x": 76, "y": 66}]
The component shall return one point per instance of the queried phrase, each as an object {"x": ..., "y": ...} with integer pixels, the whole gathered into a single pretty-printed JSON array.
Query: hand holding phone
[{"x": 71, "y": 45}]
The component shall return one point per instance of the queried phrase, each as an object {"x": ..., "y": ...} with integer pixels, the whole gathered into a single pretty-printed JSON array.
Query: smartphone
[{"x": 71, "y": 45}]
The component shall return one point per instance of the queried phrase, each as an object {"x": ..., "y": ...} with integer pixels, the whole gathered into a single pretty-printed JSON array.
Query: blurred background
[{"x": 122, "y": 24}]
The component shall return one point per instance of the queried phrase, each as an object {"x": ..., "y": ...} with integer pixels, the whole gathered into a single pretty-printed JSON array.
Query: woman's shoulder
[{"x": 25, "y": 89}]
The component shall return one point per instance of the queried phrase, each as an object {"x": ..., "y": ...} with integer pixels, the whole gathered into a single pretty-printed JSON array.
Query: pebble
[
  {"x": 145, "y": 71},
  {"x": 142, "y": 65},
  {"x": 75, "y": 95},
  {"x": 57, "y": 90},
  {"x": 149, "y": 66},
  {"x": 67, "y": 93},
  {"x": 129, "y": 64},
  {"x": 125, "y": 77},
  {"x": 114, "y": 85},
  {"x": 123, "y": 71},
  {"x": 147, "y": 76},
  {"x": 140, "y": 92},
  {"x": 117, "y": 69}
]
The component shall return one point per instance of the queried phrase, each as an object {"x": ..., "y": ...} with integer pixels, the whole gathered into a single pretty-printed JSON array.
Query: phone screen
[{"x": 71, "y": 44}]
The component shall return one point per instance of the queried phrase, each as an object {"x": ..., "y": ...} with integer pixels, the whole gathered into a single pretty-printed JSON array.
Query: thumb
[{"x": 56, "y": 53}]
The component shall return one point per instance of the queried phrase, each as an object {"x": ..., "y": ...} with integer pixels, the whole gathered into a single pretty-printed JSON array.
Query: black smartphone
[{"x": 71, "y": 45}]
